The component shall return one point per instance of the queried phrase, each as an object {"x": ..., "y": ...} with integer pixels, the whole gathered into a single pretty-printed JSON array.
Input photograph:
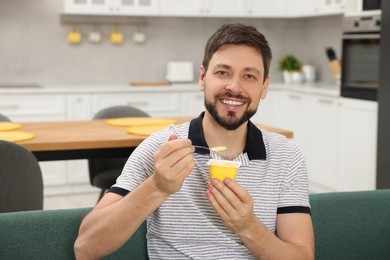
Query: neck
[{"x": 216, "y": 135}]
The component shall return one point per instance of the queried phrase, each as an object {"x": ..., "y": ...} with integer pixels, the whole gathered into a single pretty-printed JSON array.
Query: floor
[{"x": 71, "y": 201}]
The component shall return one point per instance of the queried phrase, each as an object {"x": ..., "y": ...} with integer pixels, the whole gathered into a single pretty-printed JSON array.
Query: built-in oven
[{"x": 360, "y": 56}]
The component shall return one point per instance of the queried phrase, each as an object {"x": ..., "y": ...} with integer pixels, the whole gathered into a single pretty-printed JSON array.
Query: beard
[{"x": 232, "y": 122}]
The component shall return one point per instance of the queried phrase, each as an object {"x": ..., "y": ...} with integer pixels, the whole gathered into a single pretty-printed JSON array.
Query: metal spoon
[{"x": 213, "y": 149}]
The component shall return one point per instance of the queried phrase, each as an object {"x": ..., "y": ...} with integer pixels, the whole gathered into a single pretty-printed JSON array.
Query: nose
[{"x": 234, "y": 85}]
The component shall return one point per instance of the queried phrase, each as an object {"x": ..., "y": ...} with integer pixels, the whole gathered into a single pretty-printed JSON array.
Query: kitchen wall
[{"x": 33, "y": 45}]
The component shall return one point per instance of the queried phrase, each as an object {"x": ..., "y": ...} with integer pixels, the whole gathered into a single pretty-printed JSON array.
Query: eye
[
  {"x": 221, "y": 73},
  {"x": 250, "y": 76}
]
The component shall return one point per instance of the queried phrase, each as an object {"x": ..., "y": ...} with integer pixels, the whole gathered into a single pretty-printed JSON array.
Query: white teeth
[{"x": 232, "y": 102}]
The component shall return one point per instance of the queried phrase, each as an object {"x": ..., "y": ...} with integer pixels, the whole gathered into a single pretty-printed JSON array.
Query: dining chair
[
  {"x": 3, "y": 118},
  {"x": 21, "y": 179},
  {"x": 104, "y": 172}
]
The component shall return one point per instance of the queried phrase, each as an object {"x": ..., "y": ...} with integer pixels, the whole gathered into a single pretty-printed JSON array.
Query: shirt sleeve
[
  {"x": 294, "y": 196},
  {"x": 140, "y": 164}
]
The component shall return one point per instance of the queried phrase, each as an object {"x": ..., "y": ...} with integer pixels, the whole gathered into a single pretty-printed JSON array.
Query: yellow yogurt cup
[{"x": 221, "y": 169}]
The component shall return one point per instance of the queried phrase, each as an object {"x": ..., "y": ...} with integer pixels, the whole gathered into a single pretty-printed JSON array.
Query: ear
[
  {"x": 202, "y": 75},
  {"x": 265, "y": 88}
]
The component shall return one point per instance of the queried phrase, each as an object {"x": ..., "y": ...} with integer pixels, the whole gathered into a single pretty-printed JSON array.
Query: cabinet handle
[
  {"x": 9, "y": 106},
  {"x": 140, "y": 103},
  {"x": 294, "y": 97},
  {"x": 325, "y": 101}
]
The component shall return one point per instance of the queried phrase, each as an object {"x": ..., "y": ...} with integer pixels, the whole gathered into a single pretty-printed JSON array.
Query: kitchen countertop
[{"x": 313, "y": 88}]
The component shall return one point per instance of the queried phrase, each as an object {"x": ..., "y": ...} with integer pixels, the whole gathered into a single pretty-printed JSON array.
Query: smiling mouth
[{"x": 232, "y": 102}]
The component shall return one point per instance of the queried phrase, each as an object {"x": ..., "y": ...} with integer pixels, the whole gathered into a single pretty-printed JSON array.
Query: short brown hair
[{"x": 238, "y": 34}]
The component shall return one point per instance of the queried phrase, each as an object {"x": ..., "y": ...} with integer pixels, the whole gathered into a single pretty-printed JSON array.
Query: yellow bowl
[{"x": 221, "y": 169}]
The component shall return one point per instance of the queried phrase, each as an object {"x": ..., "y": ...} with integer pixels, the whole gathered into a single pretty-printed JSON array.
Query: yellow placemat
[
  {"x": 8, "y": 126},
  {"x": 139, "y": 121},
  {"x": 16, "y": 136},
  {"x": 145, "y": 130}
]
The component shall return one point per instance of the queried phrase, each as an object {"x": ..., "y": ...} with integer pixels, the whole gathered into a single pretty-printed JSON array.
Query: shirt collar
[{"x": 254, "y": 145}]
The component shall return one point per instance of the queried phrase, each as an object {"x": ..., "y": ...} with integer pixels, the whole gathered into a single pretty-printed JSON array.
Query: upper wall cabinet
[
  {"x": 302, "y": 8},
  {"x": 266, "y": 8},
  {"x": 207, "y": 8},
  {"x": 211, "y": 8},
  {"x": 112, "y": 7}
]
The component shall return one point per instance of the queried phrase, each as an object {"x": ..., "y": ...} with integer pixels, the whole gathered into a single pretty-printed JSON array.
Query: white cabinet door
[
  {"x": 212, "y": 8},
  {"x": 87, "y": 6},
  {"x": 266, "y": 8},
  {"x": 358, "y": 139},
  {"x": 224, "y": 8},
  {"x": 78, "y": 108},
  {"x": 155, "y": 104},
  {"x": 192, "y": 103},
  {"x": 136, "y": 7},
  {"x": 181, "y": 7},
  {"x": 112, "y": 7},
  {"x": 329, "y": 7},
  {"x": 326, "y": 113},
  {"x": 297, "y": 115},
  {"x": 33, "y": 107},
  {"x": 268, "y": 112}
]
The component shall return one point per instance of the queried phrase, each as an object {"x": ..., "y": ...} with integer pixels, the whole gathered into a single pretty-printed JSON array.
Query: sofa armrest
[
  {"x": 50, "y": 234},
  {"x": 352, "y": 225}
]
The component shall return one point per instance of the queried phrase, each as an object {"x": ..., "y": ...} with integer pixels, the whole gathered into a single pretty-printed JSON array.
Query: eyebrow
[{"x": 250, "y": 69}]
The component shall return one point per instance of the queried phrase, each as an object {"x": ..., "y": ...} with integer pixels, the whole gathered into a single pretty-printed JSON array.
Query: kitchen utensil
[
  {"x": 116, "y": 37},
  {"x": 309, "y": 73},
  {"x": 94, "y": 36},
  {"x": 180, "y": 71},
  {"x": 334, "y": 63},
  {"x": 213, "y": 149},
  {"x": 74, "y": 36}
]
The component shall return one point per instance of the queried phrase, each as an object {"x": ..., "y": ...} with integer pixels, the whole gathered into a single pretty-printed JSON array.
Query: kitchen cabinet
[
  {"x": 302, "y": 8},
  {"x": 163, "y": 104},
  {"x": 268, "y": 107},
  {"x": 112, "y": 7},
  {"x": 212, "y": 8},
  {"x": 324, "y": 143},
  {"x": 296, "y": 114},
  {"x": 266, "y": 8},
  {"x": 192, "y": 103},
  {"x": 357, "y": 149},
  {"x": 33, "y": 107}
]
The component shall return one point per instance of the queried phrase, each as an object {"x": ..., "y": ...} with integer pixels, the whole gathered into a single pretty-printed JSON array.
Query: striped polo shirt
[{"x": 185, "y": 226}]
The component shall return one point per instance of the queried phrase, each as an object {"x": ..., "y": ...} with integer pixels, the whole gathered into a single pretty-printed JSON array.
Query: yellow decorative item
[
  {"x": 139, "y": 121},
  {"x": 8, "y": 126},
  {"x": 116, "y": 37},
  {"x": 16, "y": 136},
  {"x": 145, "y": 130},
  {"x": 74, "y": 36},
  {"x": 221, "y": 169}
]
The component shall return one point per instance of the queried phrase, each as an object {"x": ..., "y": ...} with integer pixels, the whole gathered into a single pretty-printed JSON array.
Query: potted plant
[{"x": 291, "y": 69}]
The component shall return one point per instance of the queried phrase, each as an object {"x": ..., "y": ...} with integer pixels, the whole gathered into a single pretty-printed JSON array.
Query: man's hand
[
  {"x": 232, "y": 203},
  {"x": 173, "y": 162}
]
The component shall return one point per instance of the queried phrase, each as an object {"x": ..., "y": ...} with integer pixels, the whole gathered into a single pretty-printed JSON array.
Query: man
[{"x": 263, "y": 214}]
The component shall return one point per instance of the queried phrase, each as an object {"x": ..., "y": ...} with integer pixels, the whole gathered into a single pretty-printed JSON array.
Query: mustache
[{"x": 231, "y": 95}]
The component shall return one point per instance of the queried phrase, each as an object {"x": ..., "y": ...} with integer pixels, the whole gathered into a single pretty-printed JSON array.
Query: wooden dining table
[{"x": 89, "y": 139}]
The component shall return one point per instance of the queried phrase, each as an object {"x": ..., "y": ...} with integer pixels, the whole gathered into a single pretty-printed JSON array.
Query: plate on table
[
  {"x": 9, "y": 126},
  {"x": 139, "y": 121},
  {"x": 16, "y": 136},
  {"x": 145, "y": 130}
]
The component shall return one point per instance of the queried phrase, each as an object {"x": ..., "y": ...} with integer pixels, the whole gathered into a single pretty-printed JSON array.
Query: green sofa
[{"x": 347, "y": 225}]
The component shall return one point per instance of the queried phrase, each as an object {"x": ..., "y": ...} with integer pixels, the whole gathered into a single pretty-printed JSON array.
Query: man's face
[{"x": 233, "y": 85}]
